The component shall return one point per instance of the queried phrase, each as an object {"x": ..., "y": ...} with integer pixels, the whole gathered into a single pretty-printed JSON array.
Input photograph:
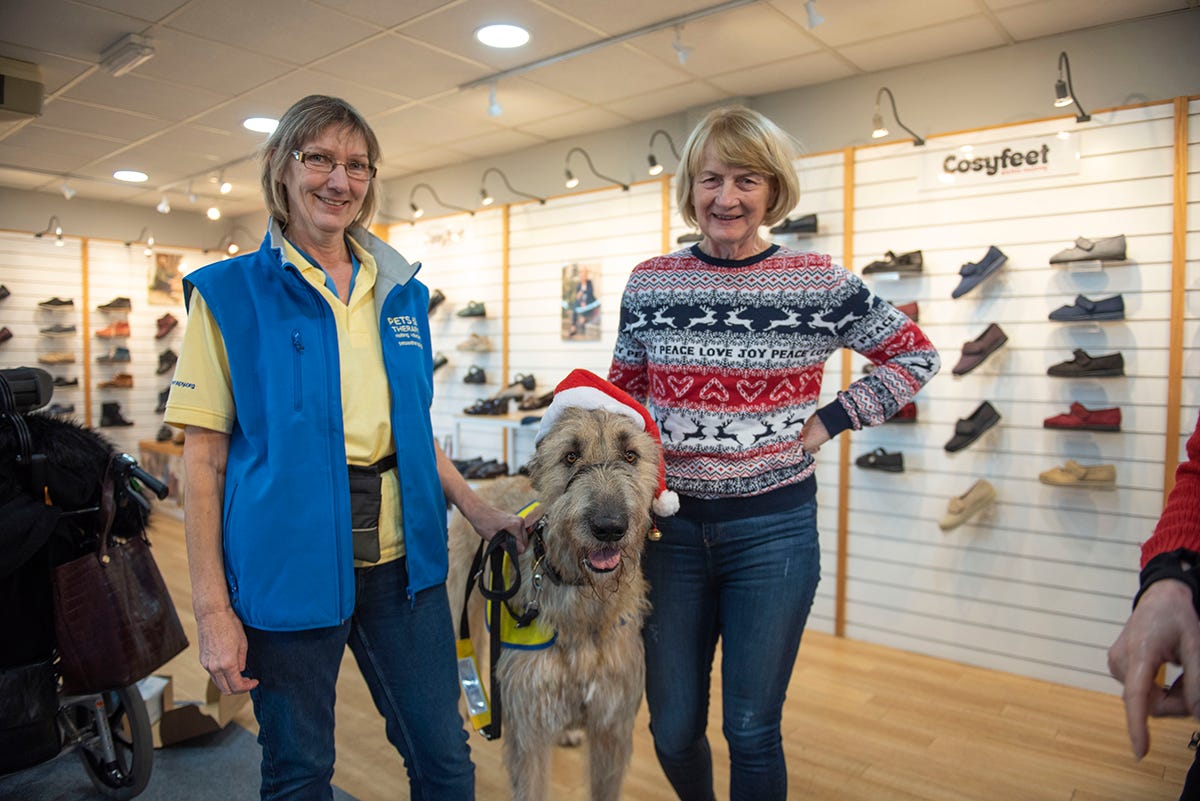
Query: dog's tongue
[{"x": 605, "y": 558}]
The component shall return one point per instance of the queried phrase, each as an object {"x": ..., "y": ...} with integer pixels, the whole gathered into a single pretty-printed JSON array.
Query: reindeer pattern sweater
[{"x": 728, "y": 357}]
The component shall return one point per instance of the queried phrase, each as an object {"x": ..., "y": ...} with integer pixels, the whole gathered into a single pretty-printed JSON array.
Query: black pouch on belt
[{"x": 366, "y": 488}]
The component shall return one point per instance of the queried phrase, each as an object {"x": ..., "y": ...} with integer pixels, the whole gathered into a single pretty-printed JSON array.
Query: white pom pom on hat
[{"x": 583, "y": 389}]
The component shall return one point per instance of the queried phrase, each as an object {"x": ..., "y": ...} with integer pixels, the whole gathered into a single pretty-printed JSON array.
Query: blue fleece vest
[{"x": 286, "y": 520}]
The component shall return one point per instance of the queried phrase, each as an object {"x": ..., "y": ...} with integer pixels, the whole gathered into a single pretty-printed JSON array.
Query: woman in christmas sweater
[
  {"x": 1165, "y": 626},
  {"x": 726, "y": 342}
]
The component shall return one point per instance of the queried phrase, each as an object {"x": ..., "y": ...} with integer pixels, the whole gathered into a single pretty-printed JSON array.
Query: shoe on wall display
[
  {"x": 531, "y": 402},
  {"x": 114, "y": 356},
  {"x": 57, "y": 357},
  {"x": 911, "y": 262},
  {"x": 57, "y": 330},
  {"x": 61, "y": 381},
  {"x": 164, "y": 434},
  {"x": 879, "y": 459},
  {"x": 488, "y": 406},
  {"x": 1085, "y": 309},
  {"x": 5, "y": 334},
  {"x": 969, "y": 429},
  {"x": 1084, "y": 366},
  {"x": 439, "y": 360},
  {"x": 118, "y": 381},
  {"x": 435, "y": 299},
  {"x": 1074, "y": 474},
  {"x": 910, "y": 310},
  {"x": 4, "y": 293},
  {"x": 688, "y": 238},
  {"x": 974, "y": 273},
  {"x": 163, "y": 397},
  {"x": 977, "y": 350},
  {"x": 1108, "y": 249},
  {"x": 118, "y": 329},
  {"x": 959, "y": 510},
  {"x": 166, "y": 361},
  {"x": 475, "y": 342},
  {"x": 475, "y": 375},
  {"x": 110, "y": 415},
  {"x": 116, "y": 305},
  {"x": 801, "y": 225},
  {"x": 163, "y": 325},
  {"x": 57, "y": 304},
  {"x": 474, "y": 308},
  {"x": 1081, "y": 418},
  {"x": 906, "y": 414}
]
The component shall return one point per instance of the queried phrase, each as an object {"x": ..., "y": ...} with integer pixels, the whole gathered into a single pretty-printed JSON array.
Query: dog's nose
[{"x": 609, "y": 528}]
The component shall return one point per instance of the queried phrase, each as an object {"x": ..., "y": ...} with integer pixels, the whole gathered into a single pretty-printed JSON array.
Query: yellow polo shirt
[{"x": 366, "y": 396}]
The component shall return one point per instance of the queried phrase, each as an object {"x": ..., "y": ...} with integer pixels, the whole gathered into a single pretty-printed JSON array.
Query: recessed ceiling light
[
  {"x": 502, "y": 35},
  {"x": 131, "y": 176},
  {"x": 265, "y": 125},
  {"x": 213, "y": 213}
]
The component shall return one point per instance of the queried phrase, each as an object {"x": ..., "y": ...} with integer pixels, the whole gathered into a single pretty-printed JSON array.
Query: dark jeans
[
  {"x": 750, "y": 583},
  {"x": 405, "y": 650}
]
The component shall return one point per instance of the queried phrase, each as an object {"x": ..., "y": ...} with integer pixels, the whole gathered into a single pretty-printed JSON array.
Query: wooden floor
[{"x": 861, "y": 723}]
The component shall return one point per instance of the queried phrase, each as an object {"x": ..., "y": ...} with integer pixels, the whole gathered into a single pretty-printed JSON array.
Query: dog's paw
[{"x": 571, "y": 738}]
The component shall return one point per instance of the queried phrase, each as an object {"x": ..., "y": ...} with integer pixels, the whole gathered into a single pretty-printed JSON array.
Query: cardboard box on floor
[{"x": 172, "y": 723}]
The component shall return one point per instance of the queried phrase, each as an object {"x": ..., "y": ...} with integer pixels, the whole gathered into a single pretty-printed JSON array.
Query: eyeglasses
[{"x": 319, "y": 162}]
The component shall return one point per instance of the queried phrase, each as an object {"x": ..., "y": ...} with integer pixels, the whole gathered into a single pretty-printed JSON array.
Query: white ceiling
[{"x": 178, "y": 116}]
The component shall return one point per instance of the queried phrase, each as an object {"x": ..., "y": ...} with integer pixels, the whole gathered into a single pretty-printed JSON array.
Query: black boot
[
  {"x": 162, "y": 400},
  {"x": 110, "y": 415}
]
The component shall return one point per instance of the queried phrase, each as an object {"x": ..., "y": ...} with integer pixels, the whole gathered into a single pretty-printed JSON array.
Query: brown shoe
[
  {"x": 164, "y": 325},
  {"x": 118, "y": 329},
  {"x": 57, "y": 357},
  {"x": 118, "y": 381},
  {"x": 978, "y": 349}
]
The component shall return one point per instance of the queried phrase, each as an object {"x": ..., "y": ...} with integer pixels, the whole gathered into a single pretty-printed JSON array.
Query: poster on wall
[
  {"x": 166, "y": 279},
  {"x": 581, "y": 302}
]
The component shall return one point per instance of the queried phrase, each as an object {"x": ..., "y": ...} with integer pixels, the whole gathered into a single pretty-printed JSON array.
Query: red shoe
[
  {"x": 1080, "y": 418},
  {"x": 118, "y": 329},
  {"x": 906, "y": 414},
  {"x": 910, "y": 310}
]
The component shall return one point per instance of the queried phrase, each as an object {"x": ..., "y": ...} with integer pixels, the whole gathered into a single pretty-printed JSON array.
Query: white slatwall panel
[
  {"x": 462, "y": 256},
  {"x": 1039, "y": 584},
  {"x": 119, "y": 271},
  {"x": 35, "y": 270},
  {"x": 1191, "y": 331}
]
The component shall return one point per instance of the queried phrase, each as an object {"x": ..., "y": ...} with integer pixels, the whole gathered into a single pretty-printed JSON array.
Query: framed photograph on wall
[
  {"x": 581, "y": 302},
  {"x": 166, "y": 279}
]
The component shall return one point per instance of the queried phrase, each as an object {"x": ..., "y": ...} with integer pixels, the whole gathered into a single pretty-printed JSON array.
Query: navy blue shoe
[
  {"x": 1085, "y": 309},
  {"x": 973, "y": 273}
]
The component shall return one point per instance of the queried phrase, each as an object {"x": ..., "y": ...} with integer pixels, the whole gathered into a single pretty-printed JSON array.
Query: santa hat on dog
[{"x": 583, "y": 389}]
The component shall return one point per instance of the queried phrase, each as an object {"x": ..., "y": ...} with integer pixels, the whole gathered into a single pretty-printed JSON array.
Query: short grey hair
[
  {"x": 741, "y": 137},
  {"x": 307, "y": 119}
]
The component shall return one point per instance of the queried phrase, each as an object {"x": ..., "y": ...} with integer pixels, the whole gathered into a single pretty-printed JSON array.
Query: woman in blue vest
[{"x": 316, "y": 494}]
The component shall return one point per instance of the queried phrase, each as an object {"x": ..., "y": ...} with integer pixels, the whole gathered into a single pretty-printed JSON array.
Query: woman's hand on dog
[{"x": 488, "y": 521}]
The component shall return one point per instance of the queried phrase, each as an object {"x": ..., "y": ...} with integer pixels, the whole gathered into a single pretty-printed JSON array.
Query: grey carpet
[{"x": 222, "y": 766}]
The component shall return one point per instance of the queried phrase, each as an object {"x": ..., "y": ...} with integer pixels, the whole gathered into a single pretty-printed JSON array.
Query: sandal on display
[
  {"x": 488, "y": 406},
  {"x": 532, "y": 402}
]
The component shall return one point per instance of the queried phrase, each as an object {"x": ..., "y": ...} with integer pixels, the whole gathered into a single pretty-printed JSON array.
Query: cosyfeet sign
[{"x": 997, "y": 162}]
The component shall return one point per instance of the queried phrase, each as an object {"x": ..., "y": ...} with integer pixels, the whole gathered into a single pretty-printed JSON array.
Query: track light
[
  {"x": 67, "y": 190},
  {"x": 494, "y": 108},
  {"x": 146, "y": 239},
  {"x": 682, "y": 51},
  {"x": 880, "y": 130},
  {"x": 213, "y": 213},
  {"x": 126, "y": 54},
  {"x": 52, "y": 227},
  {"x": 814, "y": 16},
  {"x": 486, "y": 197},
  {"x": 573, "y": 182},
  {"x": 1064, "y": 91},
  {"x": 419, "y": 212},
  {"x": 191, "y": 194},
  {"x": 164, "y": 206},
  {"x": 655, "y": 167},
  {"x": 225, "y": 187}
]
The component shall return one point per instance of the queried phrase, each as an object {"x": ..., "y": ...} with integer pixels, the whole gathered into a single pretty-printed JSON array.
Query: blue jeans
[
  {"x": 750, "y": 583},
  {"x": 405, "y": 651}
]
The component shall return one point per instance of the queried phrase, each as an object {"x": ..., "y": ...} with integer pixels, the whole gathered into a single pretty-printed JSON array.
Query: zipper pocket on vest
[{"x": 298, "y": 348}]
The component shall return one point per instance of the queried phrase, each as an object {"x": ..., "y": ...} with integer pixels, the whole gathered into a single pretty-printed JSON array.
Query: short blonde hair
[
  {"x": 307, "y": 119},
  {"x": 742, "y": 138}
]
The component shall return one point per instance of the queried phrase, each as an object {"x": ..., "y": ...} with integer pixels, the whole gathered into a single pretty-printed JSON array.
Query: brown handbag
[{"x": 113, "y": 616}]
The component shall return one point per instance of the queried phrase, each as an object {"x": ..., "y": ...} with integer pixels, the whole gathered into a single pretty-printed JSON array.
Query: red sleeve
[{"x": 1179, "y": 526}]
